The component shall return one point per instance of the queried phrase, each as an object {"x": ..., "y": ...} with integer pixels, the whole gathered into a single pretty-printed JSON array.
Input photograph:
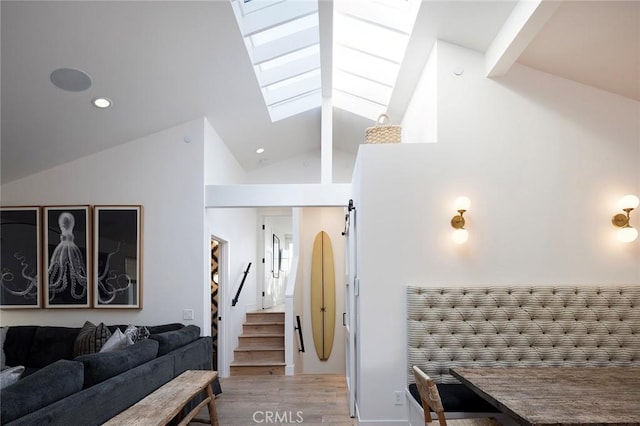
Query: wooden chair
[{"x": 430, "y": 398}]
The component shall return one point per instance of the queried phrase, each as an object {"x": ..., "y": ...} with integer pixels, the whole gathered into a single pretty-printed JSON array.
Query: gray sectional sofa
[{"x": 58, "y": 389}]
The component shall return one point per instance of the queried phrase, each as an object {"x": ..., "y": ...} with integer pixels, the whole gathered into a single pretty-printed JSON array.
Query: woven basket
[{"x": 383, "y": 133}]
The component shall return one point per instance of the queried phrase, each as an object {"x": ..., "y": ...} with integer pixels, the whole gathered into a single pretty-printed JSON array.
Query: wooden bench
[
  {"x": 517, "y": 326},
  {"x": 166, "y": 402}
]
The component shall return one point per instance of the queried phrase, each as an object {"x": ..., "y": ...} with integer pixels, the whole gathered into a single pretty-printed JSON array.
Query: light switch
[{"x": 187, "y": 314}]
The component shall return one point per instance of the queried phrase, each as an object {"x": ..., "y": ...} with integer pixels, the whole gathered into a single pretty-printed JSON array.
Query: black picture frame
[
  {"x": 117, "y": 257},
  {"x": 275, "y": 264},
  {"x": 20, "y": 257},
  {"x": 66, "y": 254}
]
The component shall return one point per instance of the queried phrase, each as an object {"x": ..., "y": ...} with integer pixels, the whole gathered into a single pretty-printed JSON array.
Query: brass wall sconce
[
  {"x": 460, "y": 235},
  {"x": 626, "y": 233}
]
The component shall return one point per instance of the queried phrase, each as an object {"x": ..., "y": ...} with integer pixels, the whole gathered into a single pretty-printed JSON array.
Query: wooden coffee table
[{"x": 166, "y": 402}]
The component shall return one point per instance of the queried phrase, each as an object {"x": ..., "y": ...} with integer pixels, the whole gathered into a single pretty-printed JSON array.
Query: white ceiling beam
[
  {"x": 285, "y": 45},
  {"x": 523, "y": 24},
  {"x": 325, "y": 18},
  {"x": 278, "y": 195},
  {"x": 326, "y": 141},
  {"x": 277, "y": 14}
]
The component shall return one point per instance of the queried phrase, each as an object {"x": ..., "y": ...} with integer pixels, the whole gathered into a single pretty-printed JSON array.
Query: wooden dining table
[{"x": 559, "y": 396}]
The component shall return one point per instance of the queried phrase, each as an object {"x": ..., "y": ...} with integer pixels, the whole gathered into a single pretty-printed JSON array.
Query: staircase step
[
  {"x": 263, "y": 328},
  {"x": 246, "y": 341},
  {"x": 260, "y": 348},
  {"x": 261, "y": 316},
  {"x": 257, "y": 369},
  {"x": 260, "y": 355}
]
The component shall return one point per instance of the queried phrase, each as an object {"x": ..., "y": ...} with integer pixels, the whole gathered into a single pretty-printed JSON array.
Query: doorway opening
[
  {"x": 277, "y": 236},
  {"x": 279, "y": 242}
]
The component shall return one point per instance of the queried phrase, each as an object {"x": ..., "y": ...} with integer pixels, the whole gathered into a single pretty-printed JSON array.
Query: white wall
[
  {"x": 330, "y": 220},
  {"x": 237, "y": 227},
  {"x": 221, "y": 167},
  {"x": 303, "y": 169},
  {"x": 420, "y": 121},
  {"x": 542, "y": 159},
  {"x": 165, "y": 175},
  {"x": 238, "y": 230},
  {"x": 298, "y": 296}
]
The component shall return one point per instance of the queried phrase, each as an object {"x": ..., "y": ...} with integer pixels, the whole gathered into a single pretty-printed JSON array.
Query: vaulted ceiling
[{"x": 167, "y": 62}]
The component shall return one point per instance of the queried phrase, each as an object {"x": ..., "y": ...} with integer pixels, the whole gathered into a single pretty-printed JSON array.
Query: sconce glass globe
[
  {"x": 628, "y": 202},
  {"x": 460, "y": 236},
  {"x": 627, "y": 234},
  {"x": 462, "y": 203}
]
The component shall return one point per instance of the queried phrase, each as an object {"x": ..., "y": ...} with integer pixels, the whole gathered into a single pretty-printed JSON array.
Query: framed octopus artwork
[
  {"x": 117, "y": 257},
  {"x": 20, "y": 257},
  {"x": 66, "y": 256}
]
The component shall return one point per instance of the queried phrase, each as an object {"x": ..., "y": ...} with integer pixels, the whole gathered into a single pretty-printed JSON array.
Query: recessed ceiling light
[
  {"x": 101, "y": 102},
  {"x": 259, "y": 150},
  {"x": 70, "y": 79}
]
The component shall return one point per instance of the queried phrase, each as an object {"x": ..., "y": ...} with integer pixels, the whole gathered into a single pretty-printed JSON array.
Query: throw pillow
[
  {"x": 118, "y": 340},
  {"x": 104, "y": 365},
  {"x": 136, "y": 333},
  {"x": 51, "y": 344},
  {"x": 3, "y": 335},
  {"x": 90, "y": 339},
  {"x": 10, "y": 375},
  {"x": 175, "y": 339}
]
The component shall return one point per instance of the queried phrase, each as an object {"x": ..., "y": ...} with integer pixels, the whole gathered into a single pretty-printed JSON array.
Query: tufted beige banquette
[{"x": 521, "y": 327}]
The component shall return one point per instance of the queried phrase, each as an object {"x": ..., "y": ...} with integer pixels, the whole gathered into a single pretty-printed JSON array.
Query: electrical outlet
[
  {"x": 187, "y": 314},
  {"x": 397, "y": 397}
]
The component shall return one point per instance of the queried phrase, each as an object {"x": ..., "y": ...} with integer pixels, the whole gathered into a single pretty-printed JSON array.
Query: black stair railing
[
  {"x": 234, "y": 301},
  {"x": 299, "y": 328}
]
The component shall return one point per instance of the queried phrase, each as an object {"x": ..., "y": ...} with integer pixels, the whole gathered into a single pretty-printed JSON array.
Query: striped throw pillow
[{"x": 90, "y": 339}]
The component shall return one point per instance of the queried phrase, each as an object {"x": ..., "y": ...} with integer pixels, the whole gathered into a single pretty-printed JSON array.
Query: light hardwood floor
[{"x": 303, "y": 399}]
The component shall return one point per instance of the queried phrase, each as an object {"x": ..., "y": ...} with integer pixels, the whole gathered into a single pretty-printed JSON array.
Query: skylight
[
  {"x": 282, "y": 38},
  {"x": 370, "y": 38},
  {"x": 286, "y": 29}
]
